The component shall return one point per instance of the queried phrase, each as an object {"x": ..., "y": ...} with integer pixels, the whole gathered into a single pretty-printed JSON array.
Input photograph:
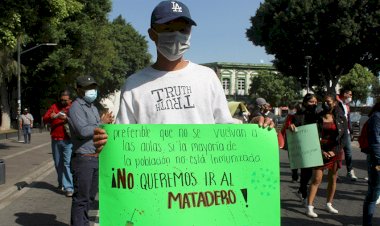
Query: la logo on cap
[{"x": 176, "y": 7}]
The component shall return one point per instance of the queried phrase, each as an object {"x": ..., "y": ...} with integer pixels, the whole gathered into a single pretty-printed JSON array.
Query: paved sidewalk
[
  {"x": 30, "y": 196},
  {"x": 24, "y": 162}
]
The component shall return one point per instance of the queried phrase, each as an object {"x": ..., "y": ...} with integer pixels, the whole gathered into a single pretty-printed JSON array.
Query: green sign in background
[
  {"x": 198, "y": 175},
  {"x": 304, "y": 147}
]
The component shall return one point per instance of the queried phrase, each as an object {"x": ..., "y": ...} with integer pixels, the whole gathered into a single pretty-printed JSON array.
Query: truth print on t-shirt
[{"x": 173, "y": 97}]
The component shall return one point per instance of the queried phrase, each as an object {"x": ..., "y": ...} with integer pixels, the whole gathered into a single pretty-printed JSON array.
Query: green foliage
[
  {"x": 275, "y": 88},
  {"x": 90, "y": 44},
  {"x": 7, "y": 65},
  {"x": 132, "y": 52},
  {"x": 359, "y": 80},
  {"x": 26, "y": 18},
  {"x": 337, "y": 34},
  {"x": 7, "y": 28}
]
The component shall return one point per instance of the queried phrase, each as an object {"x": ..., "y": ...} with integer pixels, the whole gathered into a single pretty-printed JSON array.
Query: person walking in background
[
  {"x": 307, "y": 114},
  {"x": 61, "y": 144},
  {"x": 292, "y": 110},
  {"x": 83, "y": 119},
  {"x": 373, "y": 165},
  {"x": 331, "y": 129},
  {"x": 26, "y": 124},
  {"x": 344, "y": 98}
]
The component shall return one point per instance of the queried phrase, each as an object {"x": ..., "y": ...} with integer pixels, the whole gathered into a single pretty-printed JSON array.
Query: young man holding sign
[{"x": 172, "y": 90}]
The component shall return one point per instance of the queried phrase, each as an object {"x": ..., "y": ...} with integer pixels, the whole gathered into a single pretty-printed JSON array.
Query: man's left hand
[{"x": 107, "y": 118}]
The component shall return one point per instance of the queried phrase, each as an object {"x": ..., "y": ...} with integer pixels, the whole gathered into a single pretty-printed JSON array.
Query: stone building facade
[{"x": 236, "y": 78}]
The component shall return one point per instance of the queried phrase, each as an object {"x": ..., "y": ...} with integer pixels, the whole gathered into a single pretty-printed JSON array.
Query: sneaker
[
  {"x": 351, "y": 175},
  {"x": 310, "y": 212},
  {"x": 378, "y": 201},
  {"x": 69, "y": 193},
  {"x": 331, "y": 209}
]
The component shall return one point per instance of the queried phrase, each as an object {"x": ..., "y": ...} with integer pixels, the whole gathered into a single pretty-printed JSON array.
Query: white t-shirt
[
  {"x": 192, "y": 95},
  {"x": 27, "y": 119}
]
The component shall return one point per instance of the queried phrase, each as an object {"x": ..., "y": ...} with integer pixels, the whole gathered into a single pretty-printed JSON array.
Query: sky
[{"x": 219, "y": 35}]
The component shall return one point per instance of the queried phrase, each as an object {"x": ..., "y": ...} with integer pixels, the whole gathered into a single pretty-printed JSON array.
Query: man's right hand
[
  {"x": 263, "y": 122},
  {"x": 292, "y": 128},
  {"x": 100, "y": 139}
]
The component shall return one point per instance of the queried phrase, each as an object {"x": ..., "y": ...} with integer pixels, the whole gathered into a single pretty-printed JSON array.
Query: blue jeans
[
  {"x": 85, "y": 174},
  {"x": 27, "y": 133},
  {"x": 347, "y": 152},
  {"x": 62, "y": 150},
  {"x": 372, "y": 193}
]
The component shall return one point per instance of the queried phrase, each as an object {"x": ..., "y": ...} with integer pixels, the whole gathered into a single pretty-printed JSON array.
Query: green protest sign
[
  {"x": 304, "y": 147},
  {"x": 189, "y": 175}
]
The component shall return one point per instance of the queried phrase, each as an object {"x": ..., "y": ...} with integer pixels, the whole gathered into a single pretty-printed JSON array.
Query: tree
[
  {"x": 337, "y": 34},
  {"x": 358, "y": 80},
  {"x": 31, "y": 22},
  {"x": 275, "y": 88},
  {"x": 88, "y": 44},
  {"x": 375, "y": 89},
  {"x": 132, "y": 53}
]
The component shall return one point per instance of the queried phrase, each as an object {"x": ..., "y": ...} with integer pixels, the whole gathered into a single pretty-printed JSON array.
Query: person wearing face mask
[
  {"x": 83, "y": 119},
  {"x": 172, "y": 90},
  {"x": 61, "y": 144},
  {"x": 307, "y": 114},
  {"x": 292, "y": 110},
  {"x": 344, "y": 98},
  {"x": 331, "y": 126}
]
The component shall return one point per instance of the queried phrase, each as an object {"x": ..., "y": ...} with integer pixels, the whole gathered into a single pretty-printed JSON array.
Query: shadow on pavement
[
  {"x": 20, "y": 185},
  {"x": 5, "y": 146},
  {"x": 287, "y": 221},
  {"x": 358, "y": 164},
  {"x": 47, "y": 186},
  {"x": 26, "y": 219}
]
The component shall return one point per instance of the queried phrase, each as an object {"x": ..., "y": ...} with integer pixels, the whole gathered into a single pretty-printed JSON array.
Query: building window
[
  {"x": 241, "y": 86},
  {"x": 226, "y": 85}
]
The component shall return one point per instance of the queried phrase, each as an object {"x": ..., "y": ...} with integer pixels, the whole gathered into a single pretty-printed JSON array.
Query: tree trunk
[{"x": 5, "y": 108}]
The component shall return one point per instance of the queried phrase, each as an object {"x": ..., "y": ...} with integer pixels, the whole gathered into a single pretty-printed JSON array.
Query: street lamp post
[
  {"x": 308, "y": 61},
  {"x": 19, "y": 53}
]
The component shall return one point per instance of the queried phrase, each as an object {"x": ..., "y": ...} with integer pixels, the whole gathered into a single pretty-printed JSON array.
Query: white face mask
[
  {"x": 348, "y": 100},
  {"x": 90, "y": 95},
  {"x": 172, "y": 45}
]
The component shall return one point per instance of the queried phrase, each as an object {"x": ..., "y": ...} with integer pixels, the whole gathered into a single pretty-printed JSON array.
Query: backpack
[{"x": 363, "y": 139}]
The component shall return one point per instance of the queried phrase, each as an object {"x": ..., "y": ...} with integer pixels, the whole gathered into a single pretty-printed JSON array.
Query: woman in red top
[{"x": 331, "y": 129}]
